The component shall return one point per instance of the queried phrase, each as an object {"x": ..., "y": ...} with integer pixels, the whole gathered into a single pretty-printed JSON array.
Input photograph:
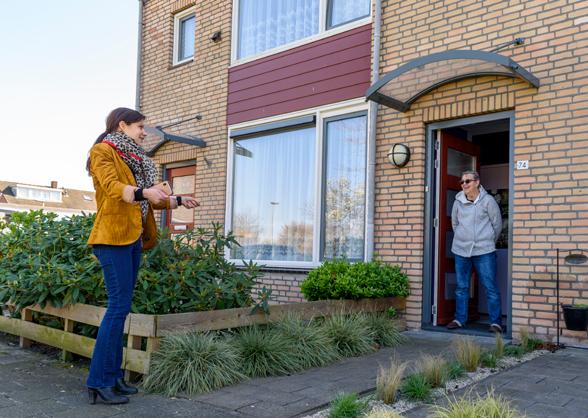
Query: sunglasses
[{"x": 466, "y": 181}]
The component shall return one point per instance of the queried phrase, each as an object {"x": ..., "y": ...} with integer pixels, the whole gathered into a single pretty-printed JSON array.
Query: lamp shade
[{"x": 399, "y": 155}]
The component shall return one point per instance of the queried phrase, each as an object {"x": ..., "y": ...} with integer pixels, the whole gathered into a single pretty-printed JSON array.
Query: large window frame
[
  {"x": 323, "y": 32},
  {"x": 322, "y": 116},
  {"x": 177, "y": 40}
]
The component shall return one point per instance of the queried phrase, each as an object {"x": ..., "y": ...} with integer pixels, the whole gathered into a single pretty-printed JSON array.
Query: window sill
[{"x": 180, "y": 64}]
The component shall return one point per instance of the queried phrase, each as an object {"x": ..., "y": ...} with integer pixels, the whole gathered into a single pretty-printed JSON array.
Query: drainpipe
[
  {"x": 139, "y": 56},
  {"x": 371, "y": 149}
]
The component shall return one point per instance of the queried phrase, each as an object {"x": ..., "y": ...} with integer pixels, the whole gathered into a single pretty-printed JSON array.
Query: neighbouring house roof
[{"x": 72, "y": 201}]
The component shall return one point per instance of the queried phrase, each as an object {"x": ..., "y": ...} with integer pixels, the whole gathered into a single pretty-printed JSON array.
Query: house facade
[
  {"x": 305, "y": 106},
  {"x": 20, "y": 197}
]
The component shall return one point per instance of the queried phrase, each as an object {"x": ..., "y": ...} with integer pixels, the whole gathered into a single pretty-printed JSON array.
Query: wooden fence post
[
  {"x": 26, "y": 315},
  {"x": 133, "y": 341},
  {"x": 68, "y": 326}
]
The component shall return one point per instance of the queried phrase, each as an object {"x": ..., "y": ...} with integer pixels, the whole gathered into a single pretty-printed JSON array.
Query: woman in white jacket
[{"x": 477, "y": 224}]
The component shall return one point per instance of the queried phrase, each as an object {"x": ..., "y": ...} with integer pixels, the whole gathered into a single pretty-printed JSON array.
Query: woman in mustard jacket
[{"x": 123, "y": 177}]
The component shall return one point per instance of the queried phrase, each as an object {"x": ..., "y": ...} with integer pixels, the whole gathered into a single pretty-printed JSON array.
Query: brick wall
[
  {"x": 170, "y": 94},
  {"x": 551, "y": 131}
]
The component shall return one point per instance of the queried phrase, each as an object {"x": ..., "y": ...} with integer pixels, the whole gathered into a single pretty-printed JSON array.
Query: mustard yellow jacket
[{"x": 118, "y": 221}]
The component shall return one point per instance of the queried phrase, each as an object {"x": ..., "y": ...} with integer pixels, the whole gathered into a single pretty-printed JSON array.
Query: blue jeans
[
  {"x": 485, "y": 266},
  {"x": 120, "y": 265}
]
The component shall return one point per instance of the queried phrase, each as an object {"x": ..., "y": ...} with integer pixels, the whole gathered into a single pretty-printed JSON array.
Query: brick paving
[{"x": 33, "y": 384}]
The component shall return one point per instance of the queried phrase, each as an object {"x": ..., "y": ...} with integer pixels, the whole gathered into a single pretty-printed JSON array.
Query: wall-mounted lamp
[
  {"x": 216, "y": 36},
  {"x": 399, "y": 155}
]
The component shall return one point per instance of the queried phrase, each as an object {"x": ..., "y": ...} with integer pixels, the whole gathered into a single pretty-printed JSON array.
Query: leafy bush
[
  {"x": 339, "y": 279},
  {"x": 45, "y": 260},
  {"x": 347, "y": 406},
  {"x": 385, "y": 333},
  {"x": 193, "y": 363},
  {"x": 349, "y": 334},
  {"x": 307, "y": 341},
  {"x": 416, "y": 387},
  {"x": 264, "y": 352},
  {"x": 388, "y": 382}
]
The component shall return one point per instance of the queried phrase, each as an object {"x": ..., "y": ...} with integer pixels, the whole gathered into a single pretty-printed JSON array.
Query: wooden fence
[{"x": 145, "y": 331}]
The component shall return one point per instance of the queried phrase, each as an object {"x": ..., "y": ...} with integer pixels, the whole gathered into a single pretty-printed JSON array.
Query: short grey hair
[{"x": 472, "y": 173}]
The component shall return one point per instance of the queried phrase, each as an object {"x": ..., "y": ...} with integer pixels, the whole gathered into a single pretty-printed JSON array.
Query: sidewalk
[{"x": 35, "y": 385}]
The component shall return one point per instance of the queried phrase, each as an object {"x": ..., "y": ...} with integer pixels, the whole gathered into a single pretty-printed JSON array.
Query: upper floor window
[
  {"x": 184, "y": 36},
  {"x": 38, "y": 193},
  {"x": 267, "y": 24}
]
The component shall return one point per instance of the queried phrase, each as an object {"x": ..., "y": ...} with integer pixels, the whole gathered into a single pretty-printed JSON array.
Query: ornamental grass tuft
[
  {"x": 434, "y": 368},
  {"x": 264, "y": 352},
  {"x": 349, "y": 333},
  {"x": 489, "y": 406},
  {"x": 347, "y": 406},
  {"x": 389, "y": 381},
  {"x": 383, "y": 414},
  {"x": 468, "y": 353},
  {"x": 307, "y": 341},
  {"x": 385, "y": 332},
  {"x": 499, "y": 346},
  {"x": 455, "y": 370},
  {"x": 193, "y": 363}
]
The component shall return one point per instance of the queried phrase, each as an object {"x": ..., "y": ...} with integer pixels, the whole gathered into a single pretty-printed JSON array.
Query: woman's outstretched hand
[{"x": 189, "y": 202}]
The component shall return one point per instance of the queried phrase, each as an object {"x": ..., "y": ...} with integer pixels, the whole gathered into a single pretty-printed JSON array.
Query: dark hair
[{"x": 114, "y": 118}]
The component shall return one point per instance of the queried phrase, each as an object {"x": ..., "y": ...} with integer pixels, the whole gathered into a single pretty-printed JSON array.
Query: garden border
[{"x": 154, "y": 327}]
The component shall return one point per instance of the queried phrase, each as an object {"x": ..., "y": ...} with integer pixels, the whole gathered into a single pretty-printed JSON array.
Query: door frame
[
  {"x": 164, "y": 177},
  {"x": 431, "y": 186}
]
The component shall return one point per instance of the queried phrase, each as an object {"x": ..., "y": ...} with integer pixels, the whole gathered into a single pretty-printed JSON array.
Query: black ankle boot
[
  {"x": 107, "y": 395},
  {"x": 120, "y": 386}
]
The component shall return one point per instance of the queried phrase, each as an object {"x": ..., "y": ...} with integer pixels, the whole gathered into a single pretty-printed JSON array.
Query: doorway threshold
[{"x": 473, "y": 330}]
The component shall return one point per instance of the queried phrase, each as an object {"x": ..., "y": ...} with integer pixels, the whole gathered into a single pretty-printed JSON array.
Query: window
[
  {"x": 184, "y": 36},
  {"x": 298, "y": 193},
  {"x": 38, "y": 193},
  {"x": 263, "y": 25}
]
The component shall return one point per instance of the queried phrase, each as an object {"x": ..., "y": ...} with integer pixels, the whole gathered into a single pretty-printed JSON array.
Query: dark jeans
[
  {"x": 120, "y": 265},
  {"x": 485, "y": 266}
]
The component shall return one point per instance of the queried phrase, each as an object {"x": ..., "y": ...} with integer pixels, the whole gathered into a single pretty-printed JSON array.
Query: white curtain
[
  {"x": 266, "y": 24},
  {"x": 273, "y": 196},
  {"x": 343, "y": 11},
  {"x": 344, "y": 194}
]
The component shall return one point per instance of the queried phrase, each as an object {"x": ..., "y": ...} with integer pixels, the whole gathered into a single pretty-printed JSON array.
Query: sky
[{"x": 64, "y": 64}]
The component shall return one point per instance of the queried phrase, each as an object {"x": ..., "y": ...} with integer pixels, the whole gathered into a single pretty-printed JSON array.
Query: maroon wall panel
[{"x": 326, "y": 71}]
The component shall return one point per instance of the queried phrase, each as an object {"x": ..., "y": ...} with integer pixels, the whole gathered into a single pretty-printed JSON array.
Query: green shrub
[
  {"x": 45, "y": 260},
  {"x": 349, "y": 334},
  {"x": 264, "y": 352},
  {"x": 193, "y": 363},
  {"x": 307, "y": 341},
  {"x": 416, "y": 387},
  {"x": 339, "y": 279},
  {"x": 385, "y": 333},
  {"x": 455, "y": 370},
  {"x": 347, "y": 406},
  {"x": 514, "y": 351},
  {"x": 489, "y": 360}
]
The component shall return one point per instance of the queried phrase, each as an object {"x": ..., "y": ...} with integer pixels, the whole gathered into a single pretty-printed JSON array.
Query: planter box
[
  {"x": 153, "y": 327},
  {"x": 576, "y": 318}
]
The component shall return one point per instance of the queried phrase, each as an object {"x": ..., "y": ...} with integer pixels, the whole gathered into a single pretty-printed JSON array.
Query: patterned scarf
[{"x": 134, "y": 156}]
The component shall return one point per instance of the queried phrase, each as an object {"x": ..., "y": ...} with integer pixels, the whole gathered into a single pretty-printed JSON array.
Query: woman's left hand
[{"x": 189, "y": 202}]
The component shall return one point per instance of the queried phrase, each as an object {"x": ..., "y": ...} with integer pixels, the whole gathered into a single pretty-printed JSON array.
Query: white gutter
[
  {"x": 371, "y": 148},
  {"x": 139, "y": 57}
]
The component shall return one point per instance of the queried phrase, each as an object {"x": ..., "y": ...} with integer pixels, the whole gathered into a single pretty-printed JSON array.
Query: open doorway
[{"x": 482, "y": 144}]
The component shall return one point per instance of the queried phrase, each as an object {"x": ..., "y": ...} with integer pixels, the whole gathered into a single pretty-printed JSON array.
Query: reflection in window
[
  {"x": 182, "y": 215},
  {"x": 273, "y": 196},
  {"x": 343, "y": 11},
  {"x": 458, "y": 162},
  {"x": 187, "y": 30},
  {"x": 183, "y": 184},
  {"x": 344, "y": 215}
]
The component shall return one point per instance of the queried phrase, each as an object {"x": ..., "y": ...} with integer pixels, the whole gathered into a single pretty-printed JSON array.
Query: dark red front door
[
  {"x": 456, "y": 155},
  {"x": 183, "y": 182}
]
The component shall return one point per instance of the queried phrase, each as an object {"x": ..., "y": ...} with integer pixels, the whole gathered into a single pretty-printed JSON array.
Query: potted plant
[{"x": 576, "y": 316}]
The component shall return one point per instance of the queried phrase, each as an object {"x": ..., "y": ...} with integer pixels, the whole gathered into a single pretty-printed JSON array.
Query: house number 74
[{"x": 523, "y": 165}]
